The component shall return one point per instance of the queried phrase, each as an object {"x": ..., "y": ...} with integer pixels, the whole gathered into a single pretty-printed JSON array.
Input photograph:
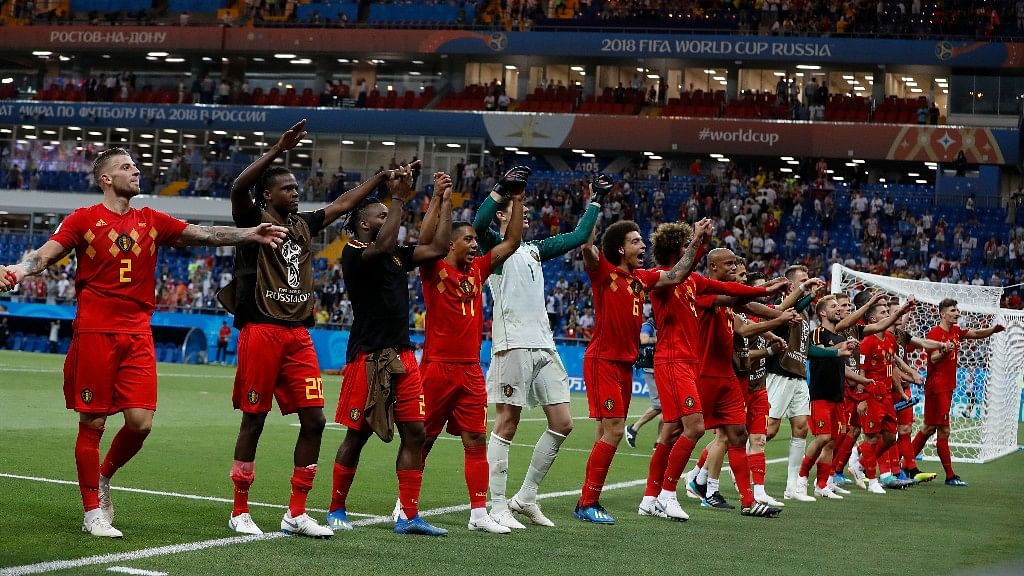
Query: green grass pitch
[{"x": 930, "y": 529}]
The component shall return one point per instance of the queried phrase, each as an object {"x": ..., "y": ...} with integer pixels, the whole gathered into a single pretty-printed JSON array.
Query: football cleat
[
  {"x": 759, "y": 510},
  {"x": 529, "y": 509},
  {"x": 700, "y": 490},
  {"x": 768, "y": 500},
  {"x": 875, "y": 488},
  {"x": 921, "y": 477},
  {"x": 594, "y": 513},
  {"x": 716, "y": 501},
  {"x": 304, "y": 525},
  {"x": 338, "y": 520},
  {"x": 106, "y": 506},
  {"x": 419, "y": 527},
  {"x": 98, "y": 526},
  {"x": 841, "y": 480},
  {"x": 691, "y": 484},
  {"x": 506, "y": 519},
  {"x": 837, "y": 488},
  {"x": 799, "y": 491},
  {"x": 902, "y": 477},
  {"x": 890, "y": 481},
  {"x": 826, "y": 493},
  {"x": 669, "y": 503},
  {"x": 631, "y": 436},
  {"x": 396, "y": 513},
  {"x": 859, "y": 479},
  {"x": 487, "y": 524},
  {"x": 244, "y": 524},
  {"x": 652, "y": 508},
  {"x": 955, "y": 481}
]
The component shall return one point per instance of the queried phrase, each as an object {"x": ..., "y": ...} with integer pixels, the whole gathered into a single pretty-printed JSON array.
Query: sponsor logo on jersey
[
  {"x": 87, "y": 396},
  {"x": 100, "y": 222},
  {"x": 254, "y": 397}
]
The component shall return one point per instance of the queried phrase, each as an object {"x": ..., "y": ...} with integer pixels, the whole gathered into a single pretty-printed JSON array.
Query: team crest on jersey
[
  {"x": 124, "y": 242},
  {"x": 354, "y": 414},
  {"x": 507, "y": 390},
  {"x": 609, "y": 404},
  {"x": 87, "y": 396},
  {"x": 254, "y": 397},
  {"x": 821, "y": 424},
  {"x": 871, "y": 424},
  {"x": 467, "y": 287},
  {"x": 689, "y": 402},
  {"x": 636, "y": 287}
]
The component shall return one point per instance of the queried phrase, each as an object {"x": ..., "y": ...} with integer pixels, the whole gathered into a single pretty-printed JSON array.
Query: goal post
[{"x": 986, "y": 402}]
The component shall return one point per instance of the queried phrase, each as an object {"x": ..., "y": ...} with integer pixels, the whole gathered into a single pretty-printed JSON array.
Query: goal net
[{"x": 986, "y": 403}]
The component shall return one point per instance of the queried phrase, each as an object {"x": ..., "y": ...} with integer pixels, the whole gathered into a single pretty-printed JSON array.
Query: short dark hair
[
  {"x": 458, "y": 225},
  {"x": 100, "y": 163},
  {"x": 871, "y": 311},
  {"x": 266, "y": 178},
  {"x": 667, "y": 239},
  {"x": 946, "y": 304},
  {"x": 352, "y": 225},
  {"x": 862, "y": 298},
  {"x": 755, "y": 276},
  {"x": 822, "y": 302},
  {"x": 615, "y": 237}
]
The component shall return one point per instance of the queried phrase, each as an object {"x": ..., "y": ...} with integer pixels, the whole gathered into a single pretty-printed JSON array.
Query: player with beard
[
  {"x": 941, "y": 382},
  {"x": 380, "y": 357},
  {"x": 453, "y": 384},
  {"x": 271, "y": 298},
  {"x": 620, "y": 284},
  {"x": 111, "y": 364}
]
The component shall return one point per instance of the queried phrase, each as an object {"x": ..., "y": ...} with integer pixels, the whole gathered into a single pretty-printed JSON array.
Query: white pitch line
[
  {"x": 136, "y": 571},
  {"x": 161, "y": 493},
  {"x": 33, "y": 370}
]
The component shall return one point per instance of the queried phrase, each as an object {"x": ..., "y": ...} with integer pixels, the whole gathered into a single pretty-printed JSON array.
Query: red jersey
[
  {"x": 455, "y": 315},
  {"x": 618, "y": 310},
  {"x": 877, "y": 360},
  {"x": 676, "y": 315},
  {"x": 716, "y": 338},
  {"x": 942, "y": 374},
  {"x": 116, "y": 265}
]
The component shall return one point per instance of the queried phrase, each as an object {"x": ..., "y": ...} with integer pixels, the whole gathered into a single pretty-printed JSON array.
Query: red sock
[
  {"x": 409, "y": 482},
  {"x": 741, "y": 470},
  {"x": 843, "y": 451},
  {"x": 242, "y": 475},
  {"x": 757, "y": 467},
  {"x": 906, "y": 451},
  {"x": 824, "y": 471},
  {"x": 868, "y": 459},
  {"x": 942, "y": 446},
  {"x": 805, "y": 466},
  {"x": 87, "y": 460},
  {"x": 678, "y": 458},
  {"x": 477, "y": 475},
  {"x": 702, "y": 459},
  {"x": 597, "y": 470},
  {"x": 302, "y": 483},
  {"x": 343, "y": 476},
  {"x": 656, "y": 469},
  {"x": 883, "y": 460},
  {"x": 894, "y": 459},
  {"x": 919, "y": 441},
  {"x": 126, "y": 444}
]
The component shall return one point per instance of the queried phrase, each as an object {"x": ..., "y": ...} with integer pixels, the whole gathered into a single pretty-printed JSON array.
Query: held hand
[
  {"x": 291, "y": 137},
  {"x": 703, "y": 230},
  {"x": 998, "y": 328},
  {"x": 811, "y": 285},
  {"x": 789, "y": 317},
  {"x": 876, "y": 298},
  {"x": 441, "y": 181},
  {"x": 268, "y": 234},
  {"x": 777, "y": 286},
  {"x": 512, "y": 182},
  {"x": 862, "y": 408},
  {"x": 778, "y": 346},
  {"x": 400, "y": 184},
  {"x": 8, "y": 278}
]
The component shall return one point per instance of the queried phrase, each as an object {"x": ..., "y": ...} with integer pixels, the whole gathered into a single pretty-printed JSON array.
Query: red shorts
[
  {"x": 677, "y": 389},
  {"x": 609, "y": 387},
  {"x": 828, "y": 417},
  {"x": 276, "y": 362},
  {"x": 454, "y": 393},
  {"x": 757, "y": 410},
  {"x": 409, "y": 404},
  {"x": 936, "y": 407},
  {"x": 880, "y": 417},
  {"x": 852, "y": 416},
  {"x": 104, "y": 373},
  {"x": 722, "y": 399}
]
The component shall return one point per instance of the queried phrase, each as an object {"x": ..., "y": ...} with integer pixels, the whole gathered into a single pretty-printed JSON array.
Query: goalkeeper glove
[
  {"x": 513, "y": 182},
  {"x": 601, "y": 186}
]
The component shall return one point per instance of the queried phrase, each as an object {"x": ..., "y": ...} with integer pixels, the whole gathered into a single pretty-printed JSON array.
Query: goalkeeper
[{"x": 525, "y": 368}]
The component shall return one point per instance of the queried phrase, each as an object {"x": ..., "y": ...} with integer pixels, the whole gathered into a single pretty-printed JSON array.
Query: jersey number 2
[{"x": 126, "y": 267}]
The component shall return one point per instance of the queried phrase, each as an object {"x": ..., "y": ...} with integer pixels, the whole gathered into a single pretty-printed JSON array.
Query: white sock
[
  {"x": 497, "y": 461},
  {"x": 92, "y": 515},
  {"x": 477, "y": 514},
  {"x": 712, "y": 485},
  {"x": 648, "y": 500},
  {"x": 797, "y": 447},
  {"x": 544, "y": 454},
  {"x": 702, "y": 476},
  {"x": 759, "y": 491},
  {"x": 666, "y": 494}
]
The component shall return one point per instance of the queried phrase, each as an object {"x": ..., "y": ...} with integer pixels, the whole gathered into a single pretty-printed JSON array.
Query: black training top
[
  {"x": 379, "y": 291},
  {"x": 826, "y": 378}
]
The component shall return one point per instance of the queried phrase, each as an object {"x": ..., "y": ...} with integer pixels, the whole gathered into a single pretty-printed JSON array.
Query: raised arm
[
  {"x": 694, "y": 251},
  {"x": 859, "y": 313},
  {"x": 590, "y": 253},
  {"x": 266, "y": 234},
  {"x": 241, "y": 200},
  {"x": 555, "y": 246},
  {"x": 31, "y": 264},
  {"x": 513, "y": 234},
  {"x": 400, "y": 190},
  {"x": 486, "y": 236},
  {"x": 890, "y": 320},
  {"x": 798, "y": 298},
  {"x": 752, "y": 329},
  {"x": 429, "y": 223},
  {"x": 926, "y": 343},
  {"x": 439, "y": 244},
  {"x": 984, "y": 332},
  {"x": 351, "y": 198}
]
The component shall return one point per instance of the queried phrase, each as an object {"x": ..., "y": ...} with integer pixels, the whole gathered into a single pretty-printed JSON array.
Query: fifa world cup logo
[{"x": 291, "y": 251}]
